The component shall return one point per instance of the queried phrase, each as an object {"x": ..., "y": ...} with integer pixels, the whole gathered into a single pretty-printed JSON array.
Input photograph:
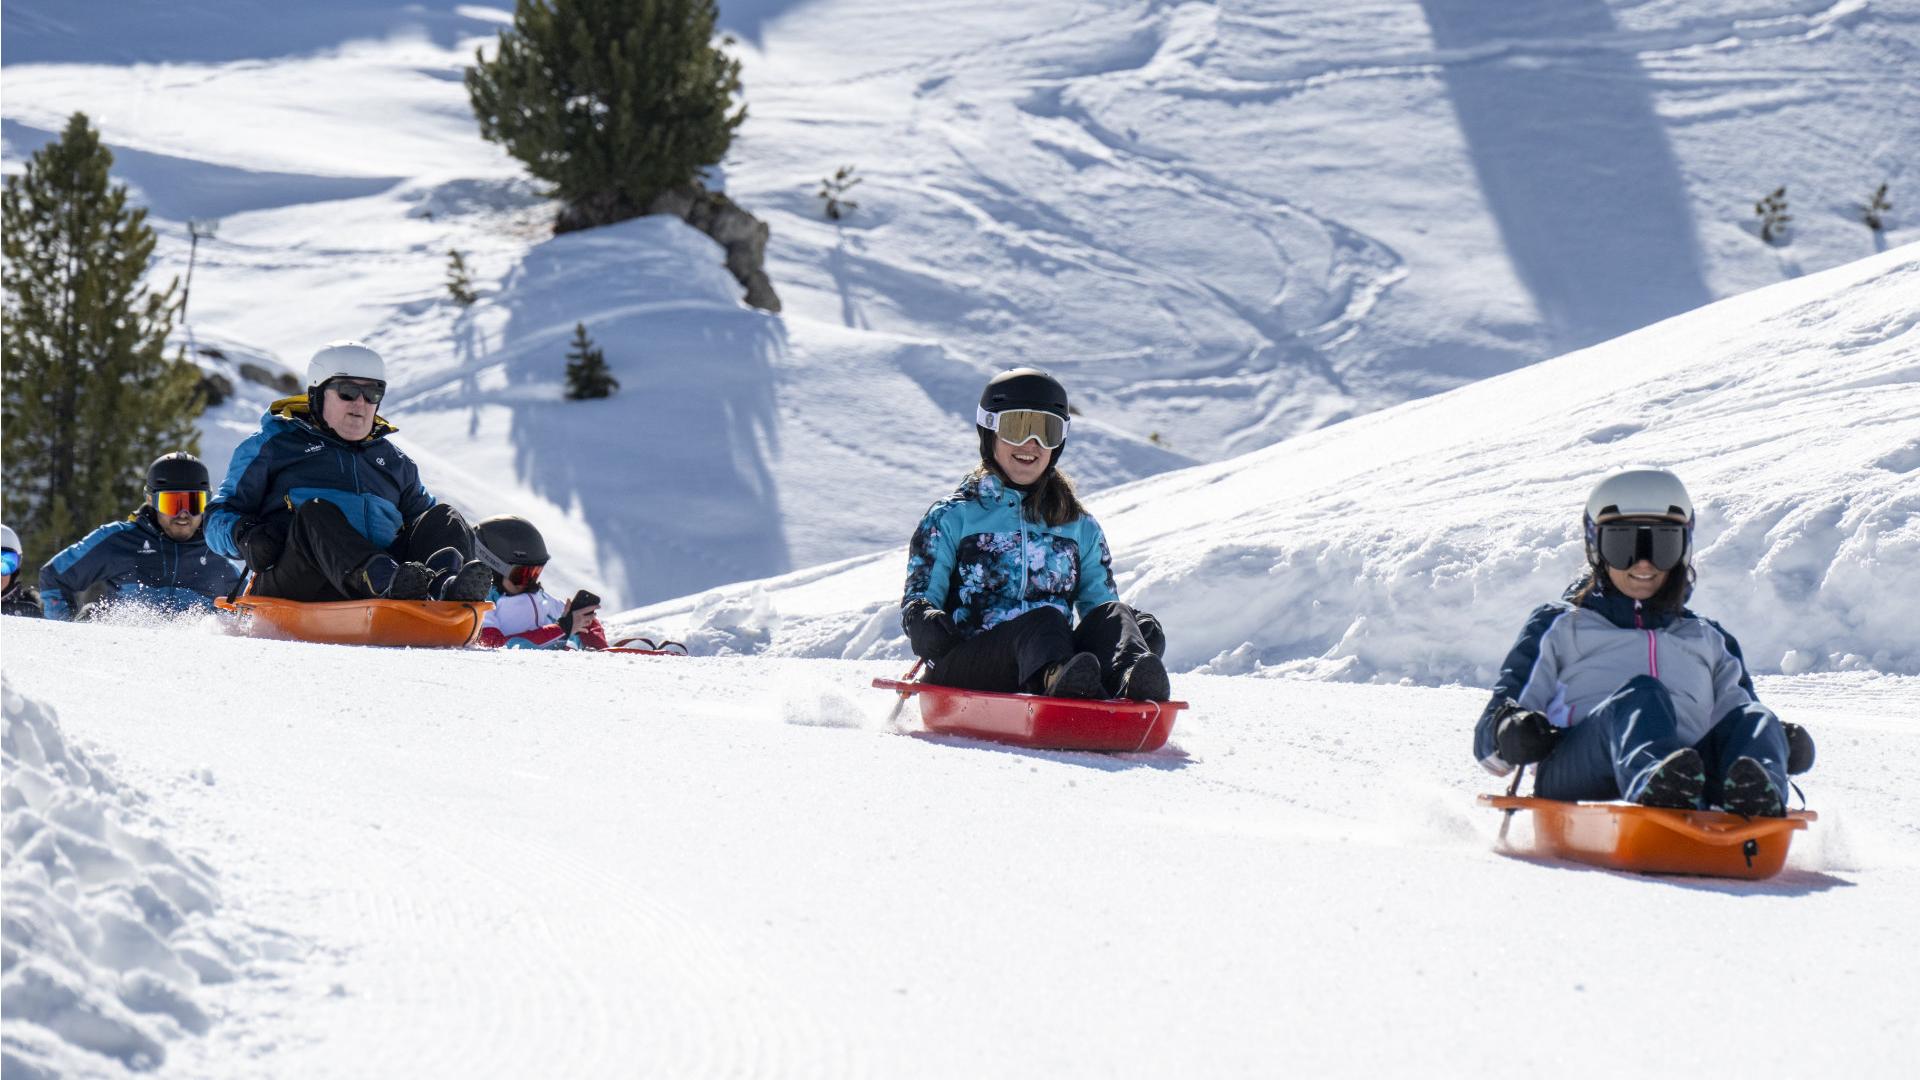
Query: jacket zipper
[
  {"x": 1020, "y": 508},
  {"x": 1653, "y": 648}
]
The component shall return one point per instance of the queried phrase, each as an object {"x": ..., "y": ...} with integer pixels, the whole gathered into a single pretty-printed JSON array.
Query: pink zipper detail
[{"x": 1653, "y": 656}]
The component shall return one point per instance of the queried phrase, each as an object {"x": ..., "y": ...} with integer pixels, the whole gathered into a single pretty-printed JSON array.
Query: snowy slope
[
  {"x": 569, "y": 865},
  {"x": 1225, "y": 225},
  {"x": 1410, "y": 543}
]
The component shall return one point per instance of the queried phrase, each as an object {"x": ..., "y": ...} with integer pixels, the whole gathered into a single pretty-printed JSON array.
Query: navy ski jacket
[
  {"x": 978, "y": 558},
  {"x": 291, "y": 459},
  {"x": 1571, "y": 657},
  {"x": 138, "y": 563}
]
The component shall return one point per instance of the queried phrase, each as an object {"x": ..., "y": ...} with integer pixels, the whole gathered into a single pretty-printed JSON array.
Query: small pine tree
[
  {"x": 91, "y": 394},
  {"x": 611, "y": 101},
  {"x": 587, "y": 373},
  {"x": 1773, "y": 215},
  {"x": 833, "y": 190},
  {"x": 1874, "y": 213},
  {"x": 459, "y": 282}
]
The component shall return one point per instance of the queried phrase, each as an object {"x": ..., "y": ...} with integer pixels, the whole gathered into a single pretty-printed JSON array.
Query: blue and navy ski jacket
[
  {"x": 139, "y": 563},
  {"x": 977, "y": 557},
  {"x": 1570, "y": 658},
  {"x": 291, "y": 459}
]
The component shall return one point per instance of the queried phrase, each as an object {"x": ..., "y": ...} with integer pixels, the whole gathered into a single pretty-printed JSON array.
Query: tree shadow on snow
[
  {"x": 672, "y": 473},
  {"x": 1573, "y": 162}
]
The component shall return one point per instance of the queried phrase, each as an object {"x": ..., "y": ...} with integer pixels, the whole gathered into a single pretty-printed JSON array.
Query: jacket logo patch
[
  {"x": 379, "y": 461},
  {"x": 146, "y": 547},
  {"x": 315, "y": 448}
]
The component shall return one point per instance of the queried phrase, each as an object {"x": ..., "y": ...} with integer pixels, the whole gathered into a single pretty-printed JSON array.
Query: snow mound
[
  {"x": 1410, "y": 544},
  {"x": 111, "y": 933}
]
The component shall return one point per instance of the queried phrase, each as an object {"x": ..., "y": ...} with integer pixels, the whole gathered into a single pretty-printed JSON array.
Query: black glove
[
  {"x": 580, "y": 604},
  {"x": 1799, "y": 750},
  {"x": 261, "y": 543},
  {"x": 1151, "y": 633},
  {"x": 1522, "y": 736},
  {"x": 929, "y": 630}
]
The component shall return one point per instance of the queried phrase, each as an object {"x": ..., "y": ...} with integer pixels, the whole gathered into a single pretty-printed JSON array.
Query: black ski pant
[
  {"x": 1011, "y": 657},
  {"x": 324, "y": 552}
]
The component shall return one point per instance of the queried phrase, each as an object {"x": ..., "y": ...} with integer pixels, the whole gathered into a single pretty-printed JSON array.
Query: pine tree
[
  {"x": 459, "y": 282},
  {"x": 587, "y": 373},
  {"x": 1772, "y": 212},
  {"x": 91, "y": 395},
  {"x": 833, "y": 192},
  {"x": 1874, "y": 213},
  {"x": 611, "y": 101}
]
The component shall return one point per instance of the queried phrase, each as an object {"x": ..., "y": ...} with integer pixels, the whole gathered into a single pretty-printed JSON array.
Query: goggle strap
[{"x": 988, "y": 420}]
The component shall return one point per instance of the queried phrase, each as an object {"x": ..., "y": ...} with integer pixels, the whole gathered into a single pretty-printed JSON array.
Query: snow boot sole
[
  {"x": 1077, "y": 676},
  {"x": 1750, "y": 792},
  {"x": 1146, "y": 680},
  {"x": 473, "y": 582},
  {"x": 1677, "y": 782}
]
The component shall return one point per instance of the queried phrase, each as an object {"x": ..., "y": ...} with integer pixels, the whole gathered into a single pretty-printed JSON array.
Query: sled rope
[
  {"x": 1148, "y": 730},
  {"x": 1506, "y": 818},
  {"x": 894, "y": 716}
]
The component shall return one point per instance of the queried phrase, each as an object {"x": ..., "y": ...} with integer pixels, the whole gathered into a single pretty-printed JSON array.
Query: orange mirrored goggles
[{"x": 175, "y": 503}]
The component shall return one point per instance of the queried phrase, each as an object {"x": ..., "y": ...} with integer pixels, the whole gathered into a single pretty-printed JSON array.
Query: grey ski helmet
[
  {"x": 507, "y": 541},
  {"x": 343, "y": 360},
  {"x": 1641, "y": 494},
  {"x": 177, "y": 472},
  {"x": 1021, "y": 388}
]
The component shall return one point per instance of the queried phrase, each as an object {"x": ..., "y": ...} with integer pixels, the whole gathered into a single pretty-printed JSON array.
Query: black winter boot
[
  {"x": 1078, "y": 676},
  {"x": 1146, "y": 680},
  {"x": 1750, "y": 792},
  {"x": 1676, "y": 782}
]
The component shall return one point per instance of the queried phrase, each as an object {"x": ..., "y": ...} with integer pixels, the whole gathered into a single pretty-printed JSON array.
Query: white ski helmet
[
  {"x": 1637, "y": 493},
  {"x": 344, "y": 359},
  {"x": 10, "y": 540}
]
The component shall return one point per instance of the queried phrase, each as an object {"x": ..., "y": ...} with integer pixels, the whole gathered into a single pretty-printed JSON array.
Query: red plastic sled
[
  {"x": 1042, "y": 723},
  {"x": 1649, "y": 840},
  {"x": 418, "y": 624}
]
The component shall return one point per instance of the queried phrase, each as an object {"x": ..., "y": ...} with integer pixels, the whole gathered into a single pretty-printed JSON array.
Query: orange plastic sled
[
  {"x": 418, "y": 624},
  {"x": 1042, "y": 723},
  {"x": 1649, "y": 840}
]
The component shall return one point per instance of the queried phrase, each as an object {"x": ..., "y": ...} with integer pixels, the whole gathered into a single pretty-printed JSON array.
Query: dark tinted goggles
[
  {"x": 1016, "y": 426},
  {"x": 1624, "y": 544},
  {"x": 354, "y": 391}
]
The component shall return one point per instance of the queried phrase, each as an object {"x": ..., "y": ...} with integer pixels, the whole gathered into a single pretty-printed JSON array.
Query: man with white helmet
[
  {"x": 16, "y": 596},
  {"x": 322, "y": 506}
]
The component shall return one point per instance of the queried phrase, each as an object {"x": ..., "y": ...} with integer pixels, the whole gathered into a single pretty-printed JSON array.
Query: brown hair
[{"x": 1051, "y": 499}]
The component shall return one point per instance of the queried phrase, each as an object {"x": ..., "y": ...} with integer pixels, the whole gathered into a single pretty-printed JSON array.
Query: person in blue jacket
[
  {"x": 1619, "y": 691},
  {"x": 321, "y": 505},
  {"x": 157, "y": 558},
  {"x": 16, "y": 596},
  {"x": 997, "y": 570}
]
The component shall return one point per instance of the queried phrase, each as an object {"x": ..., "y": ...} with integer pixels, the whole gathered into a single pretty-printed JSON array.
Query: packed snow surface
[
  {"x": 593, "y": 865},
  {"x": 1223, "y": 224}
]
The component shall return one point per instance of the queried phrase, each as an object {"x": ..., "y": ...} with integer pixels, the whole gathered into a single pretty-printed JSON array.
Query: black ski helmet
[
  {"x": 177, "y": 472},
  {"x": 1022, "y": 388},
  {"x": 507, "y": 541}
]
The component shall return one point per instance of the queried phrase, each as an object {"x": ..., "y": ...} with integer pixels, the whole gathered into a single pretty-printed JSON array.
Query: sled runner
[
  {"x": 639, "y": 646},
  {"x": 419, "y": 624},
  {"x": 1042, "y": 723},
  {"x": 1649, "y": 840}
]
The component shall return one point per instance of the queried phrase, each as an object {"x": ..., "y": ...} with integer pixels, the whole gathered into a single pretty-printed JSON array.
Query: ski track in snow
[{"x": 509, "y": 865}]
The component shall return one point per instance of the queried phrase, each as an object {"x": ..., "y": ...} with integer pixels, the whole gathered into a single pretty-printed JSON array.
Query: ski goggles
[
  {"x": 524, "y": 576},
  {"x": 1625, "y": 544},
  {"x": 354, "y": 391},
  {"x": 175, "y": 503},
  {"x": 10, "y": 562},
  {"x": 1016, "y": 426}
]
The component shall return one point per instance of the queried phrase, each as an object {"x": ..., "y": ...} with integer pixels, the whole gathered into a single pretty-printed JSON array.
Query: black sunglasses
[
  {"x": 1625, "y": 544},
  {"x": 349, "y": 391}
]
